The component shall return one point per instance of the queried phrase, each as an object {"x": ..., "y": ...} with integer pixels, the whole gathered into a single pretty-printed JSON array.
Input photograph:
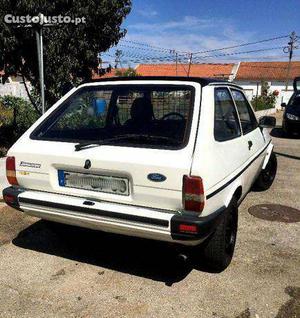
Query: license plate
[{"x": 93, "y": 182}]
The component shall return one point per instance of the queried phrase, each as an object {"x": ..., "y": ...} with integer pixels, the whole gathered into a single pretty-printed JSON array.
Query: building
[
  {"x": 222, "y": 71},
  {"x": 251, "y": 75},
  {"x": 14, "y": 86}
]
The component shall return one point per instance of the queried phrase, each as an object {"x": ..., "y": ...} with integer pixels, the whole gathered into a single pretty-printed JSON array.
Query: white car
[{"x": 163, "y": 158}]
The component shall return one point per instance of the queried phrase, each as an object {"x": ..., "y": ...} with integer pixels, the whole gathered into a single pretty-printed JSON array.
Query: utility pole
[
  {"x": 290, "y": 49},
  {"x": 176, "y": 56},
  {"x": 118, "y": 55},
  {"x": 190, "y": 64}
]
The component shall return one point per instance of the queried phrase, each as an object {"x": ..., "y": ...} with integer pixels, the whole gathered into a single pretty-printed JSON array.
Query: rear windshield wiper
[{"x": 108, "y": 141}]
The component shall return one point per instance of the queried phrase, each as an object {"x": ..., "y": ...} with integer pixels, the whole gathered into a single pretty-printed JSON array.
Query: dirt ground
[{"x": 67, "y": 272}]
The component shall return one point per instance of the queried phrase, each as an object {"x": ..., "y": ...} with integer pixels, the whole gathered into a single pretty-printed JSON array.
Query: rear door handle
[{"x": 250, "y": 144}]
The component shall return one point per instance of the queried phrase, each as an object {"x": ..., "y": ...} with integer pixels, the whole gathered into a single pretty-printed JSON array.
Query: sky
[{"x": 193, "y": 26}]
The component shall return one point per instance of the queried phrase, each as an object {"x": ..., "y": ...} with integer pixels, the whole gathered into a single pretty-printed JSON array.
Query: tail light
[
  {"x": 11, "y": 171},
  {"x": 193, "y": 194}
]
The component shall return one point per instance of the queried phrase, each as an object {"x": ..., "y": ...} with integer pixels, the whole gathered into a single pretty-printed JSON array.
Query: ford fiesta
[{"x": 161, "y": 158}]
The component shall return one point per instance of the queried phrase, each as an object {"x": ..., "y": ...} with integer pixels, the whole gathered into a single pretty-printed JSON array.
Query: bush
[
  {"x": 16, "y": 116},
  {"x": 266, "y": 100}
]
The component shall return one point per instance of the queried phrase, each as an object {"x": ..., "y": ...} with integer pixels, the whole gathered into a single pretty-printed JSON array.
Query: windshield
[
  {"x": 295, "y": 100},
  {"x": 140, "y": 115}
]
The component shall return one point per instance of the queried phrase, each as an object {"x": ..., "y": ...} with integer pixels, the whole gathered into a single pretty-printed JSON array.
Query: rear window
[{"x": 150, "y": 115}]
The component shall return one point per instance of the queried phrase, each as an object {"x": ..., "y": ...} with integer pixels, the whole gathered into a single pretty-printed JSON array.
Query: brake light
[
  {"x": 9, "y": 199},
  {"x": 193, "y": 194},
  {"x": 186, "y": 228},
  {"x": 11, "y": 171}
]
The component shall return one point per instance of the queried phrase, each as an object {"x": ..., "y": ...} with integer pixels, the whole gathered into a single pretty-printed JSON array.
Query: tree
[
  {"x": 129, "y": 72},
  {"x": 16, "y": 116},
  {"x": 70, "y": 51}
]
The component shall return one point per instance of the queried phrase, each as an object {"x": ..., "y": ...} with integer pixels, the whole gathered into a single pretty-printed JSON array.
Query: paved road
[{"x": 86, "y": 274}]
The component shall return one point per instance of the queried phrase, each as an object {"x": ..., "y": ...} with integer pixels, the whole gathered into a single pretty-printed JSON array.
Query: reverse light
[
  {"x": 193, "y": 194},
  {"x": 11, "y": 171}
]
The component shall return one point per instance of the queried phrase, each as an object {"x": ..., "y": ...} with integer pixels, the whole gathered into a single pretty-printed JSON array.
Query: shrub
[
  {"x": 16, "y": 116},
  {"x": 266, "y": 100}
]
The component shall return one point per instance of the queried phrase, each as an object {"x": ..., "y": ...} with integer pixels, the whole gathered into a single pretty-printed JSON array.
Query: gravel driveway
[{"x": 62, "y": 272}]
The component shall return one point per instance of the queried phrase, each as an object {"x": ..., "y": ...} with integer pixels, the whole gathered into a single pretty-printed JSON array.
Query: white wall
[
  {"x": 14, "y": 89},
  {"x": 3, "y": 181},
  {"x": 252, "y": 88}
]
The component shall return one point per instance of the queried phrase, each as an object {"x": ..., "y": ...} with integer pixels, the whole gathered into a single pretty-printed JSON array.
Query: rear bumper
[{"x": 115, "y": 218}]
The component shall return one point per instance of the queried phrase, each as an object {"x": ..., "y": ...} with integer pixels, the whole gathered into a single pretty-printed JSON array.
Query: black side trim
[
  {"x": 205, "y": 225},
  {"x": 236, "y": 176},
  {"x": 113, "y": 215}
]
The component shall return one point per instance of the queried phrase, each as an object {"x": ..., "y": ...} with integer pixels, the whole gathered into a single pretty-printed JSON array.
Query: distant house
[
  {"x": 14, "y": 86},
  {"x": 250, "y": 76},
  {"x": 222, "y": 71}
]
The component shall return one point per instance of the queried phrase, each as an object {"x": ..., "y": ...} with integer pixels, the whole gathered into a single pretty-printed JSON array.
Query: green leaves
[
  {"x": 16, "y": 116},
  {"x": 70, "y": 51}
]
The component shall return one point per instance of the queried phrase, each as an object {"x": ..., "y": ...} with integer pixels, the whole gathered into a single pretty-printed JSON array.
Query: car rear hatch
[
  {"x": 134, "y": 173},
  {"x": 145, "y": 177}
]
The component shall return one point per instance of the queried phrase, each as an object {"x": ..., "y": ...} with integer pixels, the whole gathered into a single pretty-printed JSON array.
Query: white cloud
[
  {"x": 147, "y": 12},
  {"x": 187, "y": 23}
]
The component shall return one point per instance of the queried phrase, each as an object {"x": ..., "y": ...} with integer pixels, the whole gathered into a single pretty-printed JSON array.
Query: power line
[
  {"x": 243, "y": 44},
  {"x": 243, "y": 52},
  {"x": 151, "y": 46},
  {"x": 158, "y": 48}
]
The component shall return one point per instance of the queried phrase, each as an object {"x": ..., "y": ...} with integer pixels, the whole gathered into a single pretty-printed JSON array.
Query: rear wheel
[
  {"x": 218, "y": 249},
  {"x": 267, "y": 175}
]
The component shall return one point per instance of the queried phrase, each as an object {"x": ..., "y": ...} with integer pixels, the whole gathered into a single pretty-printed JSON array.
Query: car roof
[{"x": 203, "y": 81}]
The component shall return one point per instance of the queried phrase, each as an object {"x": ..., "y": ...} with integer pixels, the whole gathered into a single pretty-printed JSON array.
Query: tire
[
  {"x": 219, "y": 248},
  {"x": 286, "y": 130},
  {"x": 267, "y": 175}
]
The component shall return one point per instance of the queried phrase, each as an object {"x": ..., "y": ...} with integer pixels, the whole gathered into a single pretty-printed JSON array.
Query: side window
[
  {"x": 247, "y": 117},
  {"x": 226, "y": 124}
]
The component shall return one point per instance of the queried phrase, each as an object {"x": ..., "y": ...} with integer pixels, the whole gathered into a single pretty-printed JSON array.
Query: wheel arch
[
  {"x": 268, "y": 155},
  {"x": 235, "y": 191}
]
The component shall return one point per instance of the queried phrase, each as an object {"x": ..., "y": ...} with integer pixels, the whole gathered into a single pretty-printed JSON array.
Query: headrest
[{"x": 141, "y": 110}]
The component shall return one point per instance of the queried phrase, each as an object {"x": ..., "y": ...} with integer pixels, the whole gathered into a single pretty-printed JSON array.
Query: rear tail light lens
[
  {"x": 186, "y": 228},
  {"x": 11, "y": 171},
  {"x": 9, "y": 199},
  {"x": 193, "y": 194}
]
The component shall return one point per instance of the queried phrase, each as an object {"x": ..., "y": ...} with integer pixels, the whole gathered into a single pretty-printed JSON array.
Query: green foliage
[
  {"x": 81, "y": 114},
  {"x": 70, "y": 51},
  {"x": 16, "y": 116},
  {"x": 266, "y": 100},
  {"x": 129, "y": 72}
]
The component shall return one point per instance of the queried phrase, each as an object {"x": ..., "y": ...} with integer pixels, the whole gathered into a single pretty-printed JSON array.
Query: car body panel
[{"x": 225, "y": 167}]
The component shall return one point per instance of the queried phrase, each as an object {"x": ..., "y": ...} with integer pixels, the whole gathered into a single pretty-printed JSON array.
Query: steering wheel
[{"x": 173, "y": 114}]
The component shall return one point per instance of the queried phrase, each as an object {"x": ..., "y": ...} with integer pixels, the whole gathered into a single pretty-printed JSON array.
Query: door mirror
[
  {"x": 296, "y": 84},
  {"x": 283, "y": 104},
  {"x": 267, "y": 122}
]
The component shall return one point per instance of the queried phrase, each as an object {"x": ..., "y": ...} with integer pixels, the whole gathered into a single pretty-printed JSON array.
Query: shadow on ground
[
  {"x": 146, "y": 258},
  {"x": 279, "y": 133}
]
